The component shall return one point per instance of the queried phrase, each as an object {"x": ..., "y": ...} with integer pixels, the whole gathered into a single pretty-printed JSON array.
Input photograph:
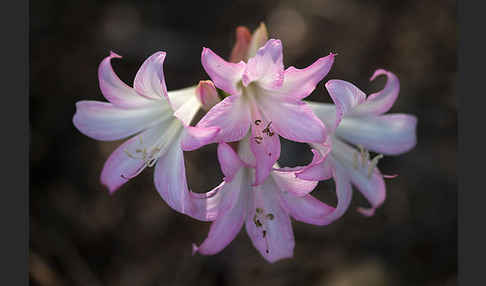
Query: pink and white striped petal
[
  {"x": 379, "y": 102},
  {"x": 266, "y": 67},
  {"x": 269, "y": 228},
  {"x": 115, "y": 90},
  {"x": 105, "y": 121},
  {"x": 293, "y": 120},
  {"x": 231, "y": 116},
  {"x": 390, "y": 134},
  {"x": 149, "y": 80},
  {"x": 127, "y": 160},
  {"x": 232, "y": 213},
  {"x": 225, "y": 75},
  {"x": 299, "y": 83}
]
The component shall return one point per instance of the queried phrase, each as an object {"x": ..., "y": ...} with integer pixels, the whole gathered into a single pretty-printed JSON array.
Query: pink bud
[
  {"x": 207, "y": 94},
  {"x": 240, "y": 49}
]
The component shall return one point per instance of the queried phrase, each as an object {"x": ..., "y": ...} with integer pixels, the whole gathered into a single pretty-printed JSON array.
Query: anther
[
  {"x": 270, "y": 216},
  {"x": 258, "y": 121},
  {"x": 258, "y": 139}
]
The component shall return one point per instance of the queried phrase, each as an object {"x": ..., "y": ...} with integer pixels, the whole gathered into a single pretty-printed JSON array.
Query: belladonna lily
[
  {"x": 265, "y": 209},
  {"x": 265, "y": 100},
  {"x": 160, "y": 120},
  {"x": 361, "y": 121}
]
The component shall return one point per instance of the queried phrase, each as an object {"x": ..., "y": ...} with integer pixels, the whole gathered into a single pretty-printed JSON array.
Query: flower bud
[{"x": 207, "y": 94}]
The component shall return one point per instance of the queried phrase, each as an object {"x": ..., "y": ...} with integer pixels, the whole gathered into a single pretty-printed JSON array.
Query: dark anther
[
  {"x": 264, "y": 233},
  {"x": 258, "y": 121},
  {"x": 258, "y": 139},
  {"x": 270, "y": 216}
]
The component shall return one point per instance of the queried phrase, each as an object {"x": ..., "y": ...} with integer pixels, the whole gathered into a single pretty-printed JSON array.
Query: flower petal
[
  {"x": 266, "y": 67},
  {"x": 115, "y": 90},
  {"x": 124, "y": 163},
  {"x": 299, "y": 83},
  {"x": 225, "y": 75},
  {"x": 232, "y": 212},
  {"x": 270, "y": 228},
  {"x": 196, "y": 137},
  {"x": 365, "y": 177},
  {"x": 391, "y": 134},
  {"x": 150, "y": 81},
  {"x": 293, "y": 120},
  {"x": 345, "y": 96},
  {"x": 319, "y": 169},
  {"x": 380, "y": 102},
  {"x": 258, "y": 39},
  {"x": 265, "y": 146},
  {"x": 229, "y": 161},
  {"x": 306, "y": 209},
  {"x": 105, "y": 121},
  {"x": 231, "y": 116},
  {"x": 287, "y": 182},
  {"x": 240, "y": 49},
  {"x": 188, "y": 109}
]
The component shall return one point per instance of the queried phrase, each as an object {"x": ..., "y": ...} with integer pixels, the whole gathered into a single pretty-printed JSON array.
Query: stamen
[
  {"x": 355, "y": 160},
  {"x": 258, "y": 139},
  {"x": 270, "y": 216},
  {"x": 373, "y": 164},
  {"x": 258, "y": 121}
]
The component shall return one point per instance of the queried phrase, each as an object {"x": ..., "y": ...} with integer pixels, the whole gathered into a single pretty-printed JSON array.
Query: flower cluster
[{"x": 261, "y": 102}]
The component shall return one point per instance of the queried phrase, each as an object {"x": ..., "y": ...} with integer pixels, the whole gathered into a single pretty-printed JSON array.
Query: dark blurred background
[{"x": 80, "y": 235}]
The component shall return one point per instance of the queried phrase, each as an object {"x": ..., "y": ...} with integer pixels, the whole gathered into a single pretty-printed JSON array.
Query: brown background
[{"x": 79, "y": 235}]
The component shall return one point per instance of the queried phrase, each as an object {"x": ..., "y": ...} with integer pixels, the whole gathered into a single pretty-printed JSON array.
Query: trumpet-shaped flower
[
  {"x": 160, "y": 120},
  {"x": 359, "y": 120},
  {"x": 265, "y": 99},
  {"x": 265, "y": 209}
]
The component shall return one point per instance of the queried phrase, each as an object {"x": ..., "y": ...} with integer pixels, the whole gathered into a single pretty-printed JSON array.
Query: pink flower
[
  {"x": 359, "y": 120},
  {"x": 159, "y": 119},
  {"x": 265, "y": 99},
  {"x": 265, "y": 209}
]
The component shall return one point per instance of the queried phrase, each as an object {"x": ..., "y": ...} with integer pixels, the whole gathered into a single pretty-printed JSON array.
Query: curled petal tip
[
  {"x": 114, "y": 55},
  {"x": 366, "y": 211},
  {"x": 378, "y": 72}
]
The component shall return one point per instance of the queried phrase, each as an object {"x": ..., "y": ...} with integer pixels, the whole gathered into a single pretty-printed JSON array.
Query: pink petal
[
  {"x": 287, "y": 182},
  {"x": 299, "y": 83},
  {"x": 345, "y": 96},
  {"x": 271, "y": 230},
  {"x": 266, "y": 66},
  {"x": 380, "y": 102},
  {"x": 205, "y": 206},
  {"x": 125, "y": 163},
  {"x": 265, "y": 146},
  {"x": 391, "y": 134},
  {"x": 196, "y": 137},
  {"x": 232, "y": 212},
  {"x": 229, "y": 161},
  {"x": 225, "y": 75},
  {"x": 306, "y": 208},
  {"x": 319, "y": 169},
  {"x": 150, "y": 81},
  {"x": 105, "y": 121},
  {"x": 240, "y": 49},
  {"x": 115, "y": 90},
  {"x": 231, "y": 116},
  {"x": 293, "y": 120}
]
